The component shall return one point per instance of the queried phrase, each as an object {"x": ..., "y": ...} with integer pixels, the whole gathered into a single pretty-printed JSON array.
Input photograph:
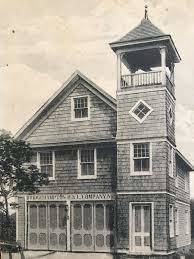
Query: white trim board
[{"x": 148, "y": 192}]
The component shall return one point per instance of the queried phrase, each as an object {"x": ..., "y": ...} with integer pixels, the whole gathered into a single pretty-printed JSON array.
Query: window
[
  {"x": 80, "y": 108},
  {"x": 141, "y": 158},
  {"x": 186, "y": 182},
  {"x": 176, "y": 222},
  {"x": 171, "y": 220},
  {"x": 140, "y": 111},
  {"x": 141, "y": 227},
  {"x": 46, "y": 163},
  {"x": 187, "y": 222},
  {"x": 171, "y": 162},
  {"x": 170, "y": 114},
  {"x": 87, "y": 163}
]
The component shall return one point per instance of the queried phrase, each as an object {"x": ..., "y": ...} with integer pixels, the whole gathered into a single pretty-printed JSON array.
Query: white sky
[{"x": 52, "y": 39}]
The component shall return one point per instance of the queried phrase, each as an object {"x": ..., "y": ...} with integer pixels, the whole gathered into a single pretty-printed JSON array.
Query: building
[{"x": 118, "y": 184}]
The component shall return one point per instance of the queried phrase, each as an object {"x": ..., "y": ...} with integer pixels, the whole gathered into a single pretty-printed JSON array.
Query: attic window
[
  {"x": 140, "y": 111},
  {"x": 80, "y": 108}
]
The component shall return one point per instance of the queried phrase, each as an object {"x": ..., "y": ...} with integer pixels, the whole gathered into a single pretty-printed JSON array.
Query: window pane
[
  {"x": 81, "y": 107},
  {"x": 53, "y": 216},
  {"x": 99, "y": 216},
  {"x": 137, "y": 241},
  {"x": 33, "y": 216},
  {"x": 147, "y": 241},
  {"x": 137, "y": 219},
  {"x": 137, "y": 165},
  {"x": 42, "y": 216},
  {"x": 77, "y": 216},
  {"x": 62, "y": 216},
  {"x": 147, "y": 219},
  {"x": 109, "y": 216},
  {"x": 47, "y": 169},
  {"x": 145, "y": 164},
  {"x": 46, "y": 158},
  {"x": 87, "y": 216}
]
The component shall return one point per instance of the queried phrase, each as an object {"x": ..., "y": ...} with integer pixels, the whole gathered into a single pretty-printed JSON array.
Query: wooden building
[{"x": 118, "y": 184}]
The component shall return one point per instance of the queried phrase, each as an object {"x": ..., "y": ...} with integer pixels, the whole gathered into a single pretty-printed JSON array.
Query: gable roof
[
  {"x": 66, "y": 89},
  {"x": 146, "y": 29}
]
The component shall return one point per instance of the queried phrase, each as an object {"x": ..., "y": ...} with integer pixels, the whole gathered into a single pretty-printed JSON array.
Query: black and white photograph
[{"x": 96, "y": 129}]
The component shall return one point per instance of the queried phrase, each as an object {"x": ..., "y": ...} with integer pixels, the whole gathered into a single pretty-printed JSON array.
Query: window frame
[
  {"x": 80, "y": 176},
  {"x": 171, "y": 221},
  {"x": 171, "y": 162},
  {"x": 73, "y": 108},
  {"x": 187, "y": 218},
  {"x": 187, "y": 182},
  {"x": 131, "y": 112},
  {"x": 176, "y": 223},
  {"x": 170, "y": 118},
  {"x": 140, "y": 173},
  {"x": 53, "y": 162}
]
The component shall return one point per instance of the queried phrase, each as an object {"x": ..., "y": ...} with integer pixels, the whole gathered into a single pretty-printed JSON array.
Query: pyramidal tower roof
[
  {"x": 144, "y": 33},
  {"x": 146, "y": 29}
]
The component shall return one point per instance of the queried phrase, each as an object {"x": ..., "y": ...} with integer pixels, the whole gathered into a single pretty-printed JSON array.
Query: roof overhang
[
  {"x": 185, "y": 161},
  {"x": 166, "y": 40}
]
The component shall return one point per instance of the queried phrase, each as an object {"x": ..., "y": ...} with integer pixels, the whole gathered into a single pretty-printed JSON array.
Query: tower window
[
  {"x": 80, "y": 108},
  {"x": 141, "y": 163},
  {"x": 140, "y": 111},
  {"x": 170, "y": 113}
]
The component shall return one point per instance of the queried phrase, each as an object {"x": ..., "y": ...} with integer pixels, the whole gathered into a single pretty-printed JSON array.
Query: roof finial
[{"x": 146, "y": 12}]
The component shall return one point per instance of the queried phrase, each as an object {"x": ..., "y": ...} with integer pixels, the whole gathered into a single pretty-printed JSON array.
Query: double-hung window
[
  {"x": 171, "y": 220},
  {"x": 141, "y": 163},
  {"x": 87, "y": 163},
  {"x": 46, "y": 163},
  {"x": 187, "y": 222},
  {"x": 80, "y": 108},
  {"x": 171, "y": 162},
  {"x": 176, "y": 222}
]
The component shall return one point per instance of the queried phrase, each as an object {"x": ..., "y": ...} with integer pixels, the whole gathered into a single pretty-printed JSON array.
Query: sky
[{"x": 42, "y": 42}]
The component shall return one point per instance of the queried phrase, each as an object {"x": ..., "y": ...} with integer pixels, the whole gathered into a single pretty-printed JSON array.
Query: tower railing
[{"x": 141, "y": 79}]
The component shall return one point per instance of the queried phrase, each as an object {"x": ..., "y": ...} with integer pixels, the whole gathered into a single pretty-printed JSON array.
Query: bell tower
[
  {"x": 145, "y": 83},
  {"x": 146, "y": 146}
]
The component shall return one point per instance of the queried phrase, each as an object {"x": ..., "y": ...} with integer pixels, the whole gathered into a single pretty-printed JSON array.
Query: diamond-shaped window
[{"x": 140, "y": 111}]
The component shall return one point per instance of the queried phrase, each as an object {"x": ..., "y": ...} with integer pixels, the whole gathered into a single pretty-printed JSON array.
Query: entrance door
[
  {"x": 47, "y": 226},
  {"x": 57, "y": 226},
  {"x": 141, "y": 229},
  {"x": 37, "y": 227},
  {"x": 92, "y": 226}
]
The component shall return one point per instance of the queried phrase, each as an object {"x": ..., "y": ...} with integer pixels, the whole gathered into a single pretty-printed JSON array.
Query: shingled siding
[
  {"x": 160, "y": 220},
  {"x": 170, "y": 126},
  {"x": 156, "y": 181},
  {"x": 182, "y": 239},
  {"x": 182, "y": 193},
  {"x": 153, "y": 126},
  {"x": 66, "y": 171},
  {"x": 58, "y": 126}
]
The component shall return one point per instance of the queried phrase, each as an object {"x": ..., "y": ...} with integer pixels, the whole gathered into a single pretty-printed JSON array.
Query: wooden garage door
[
  {"x": 92, "y": 226},
  {"x": 47, "y": 226}
]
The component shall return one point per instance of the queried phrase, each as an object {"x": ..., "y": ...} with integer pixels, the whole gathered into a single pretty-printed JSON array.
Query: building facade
[{"x": 117, "y": 184}]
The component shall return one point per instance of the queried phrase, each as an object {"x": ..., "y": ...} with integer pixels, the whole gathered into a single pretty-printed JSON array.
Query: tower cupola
[{"x": 145, "y": 56}]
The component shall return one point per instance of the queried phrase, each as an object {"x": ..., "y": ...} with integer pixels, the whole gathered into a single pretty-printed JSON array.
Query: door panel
[
  {"x": 92, "y": 226},
  {"x": 37, "y": 237},
  {"x": 82, "y": 227},
  {"x": 47, "y": 228}
]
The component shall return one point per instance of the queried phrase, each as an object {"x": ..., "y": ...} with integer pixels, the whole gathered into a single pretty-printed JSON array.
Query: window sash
[
  {"x": 141, "y": 157},
  {"x": 80, "y": 106},
  {"x": 187, "y": 219},
  {"x": 176, "y": 222},
  {"x": 46, "y": 163},
  {"x": 87, "y": 162},
  {"x": 171, "y": 220}
]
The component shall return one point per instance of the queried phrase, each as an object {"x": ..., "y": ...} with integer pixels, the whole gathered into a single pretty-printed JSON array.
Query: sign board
[{"x": 74, "y": 196}]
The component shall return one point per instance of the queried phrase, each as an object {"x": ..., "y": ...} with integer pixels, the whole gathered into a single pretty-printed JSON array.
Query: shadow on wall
[{"x": 192, "y": 224}]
